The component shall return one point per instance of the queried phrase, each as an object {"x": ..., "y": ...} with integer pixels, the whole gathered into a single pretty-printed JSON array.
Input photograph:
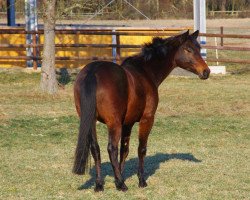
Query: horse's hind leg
[
  {"x": 95, "y": 151},
  {"x": 145, "y": 126},
  {"x": 114, "y": 138},
  {"x": 126, "y": 132}
]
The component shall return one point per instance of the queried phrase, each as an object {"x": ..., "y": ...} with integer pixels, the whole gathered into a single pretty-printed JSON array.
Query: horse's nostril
[{"x": 206, "y": 73}]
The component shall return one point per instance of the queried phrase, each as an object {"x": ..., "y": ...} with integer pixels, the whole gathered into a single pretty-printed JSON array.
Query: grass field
[{"x": 198, "y": 149}]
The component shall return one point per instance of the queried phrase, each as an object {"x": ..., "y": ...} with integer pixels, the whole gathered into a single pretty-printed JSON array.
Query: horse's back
[{"x": 111, "y": 91}]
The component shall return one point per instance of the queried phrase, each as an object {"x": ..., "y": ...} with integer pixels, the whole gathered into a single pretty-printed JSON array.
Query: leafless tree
[
  {"x": 223, "y": 5},
  {"x": 49, "y": 83},
  {"x": 81, "y": 9}
]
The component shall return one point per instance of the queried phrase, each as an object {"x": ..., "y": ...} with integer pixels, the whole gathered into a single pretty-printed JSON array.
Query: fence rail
[
  {"x": 117, "y": 46},
  {"x": 231, "y": 48},
  {"x": 108, "y": 32}
]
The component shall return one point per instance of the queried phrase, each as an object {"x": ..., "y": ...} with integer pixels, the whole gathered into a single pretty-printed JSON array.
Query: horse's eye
[{"x": 188, "y": 50}]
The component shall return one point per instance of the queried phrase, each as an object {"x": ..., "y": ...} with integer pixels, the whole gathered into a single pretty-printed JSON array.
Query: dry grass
[{"x": 198, "y": 149}]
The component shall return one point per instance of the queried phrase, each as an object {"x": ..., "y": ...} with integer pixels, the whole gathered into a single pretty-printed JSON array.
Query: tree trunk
[
  {"x": 157, "y": 5},
  {"x": 48, "y": 77},
  {"x": 223, "y": 5},
  {"x": 233, "y": 6}
]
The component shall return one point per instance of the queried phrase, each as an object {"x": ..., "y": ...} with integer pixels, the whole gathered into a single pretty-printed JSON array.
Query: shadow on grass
[{"x": 152, "y": 163}]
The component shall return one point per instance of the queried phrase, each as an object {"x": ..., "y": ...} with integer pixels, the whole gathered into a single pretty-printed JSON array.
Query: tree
[
  {"x": 49, "y": 83},
  {"x": 223, "y": 5}
]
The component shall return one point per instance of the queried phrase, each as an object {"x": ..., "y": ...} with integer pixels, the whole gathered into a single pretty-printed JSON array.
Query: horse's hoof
[
  {"x": 121, "y": 186},
  {"x": 99, "y": 188},
  {"x": 142, "y": 184}
]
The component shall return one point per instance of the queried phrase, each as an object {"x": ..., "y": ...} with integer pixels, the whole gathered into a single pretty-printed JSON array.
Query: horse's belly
[
  {"x": 136, "y": 98},
  {"x": 131, "y": 118},
  {"x": 135, "y": 109}
]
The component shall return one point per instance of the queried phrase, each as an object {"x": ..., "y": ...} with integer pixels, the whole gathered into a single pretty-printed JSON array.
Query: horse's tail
[{"x": 87, "y": 122}]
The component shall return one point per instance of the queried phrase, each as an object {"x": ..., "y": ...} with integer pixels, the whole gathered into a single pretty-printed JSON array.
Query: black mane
[{"x": 157, "y": 49}]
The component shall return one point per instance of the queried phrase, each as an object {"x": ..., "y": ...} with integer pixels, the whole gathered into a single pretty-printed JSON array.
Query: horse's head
[{"x": 188, "y": 55}]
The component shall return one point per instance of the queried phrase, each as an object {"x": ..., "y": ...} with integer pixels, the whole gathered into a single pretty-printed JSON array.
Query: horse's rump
[{"x": 111, "y": 91}]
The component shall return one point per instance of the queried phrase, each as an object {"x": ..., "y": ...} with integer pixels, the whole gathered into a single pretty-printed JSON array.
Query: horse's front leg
[
  {"x": 145, "y": 126},
  {"x": 114, "y": 138}
]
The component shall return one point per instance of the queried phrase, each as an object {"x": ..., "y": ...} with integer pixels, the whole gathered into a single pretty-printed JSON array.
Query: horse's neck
[{"x": 159, "y": 70}]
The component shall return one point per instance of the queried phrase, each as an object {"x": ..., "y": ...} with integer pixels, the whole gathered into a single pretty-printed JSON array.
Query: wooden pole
[
  {"x": 34, "y": 52},
  {"x": 118, "y": 49},
  {"x": 221, "y": 39}
]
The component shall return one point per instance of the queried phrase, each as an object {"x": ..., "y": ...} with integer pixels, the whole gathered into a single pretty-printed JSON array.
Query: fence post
[
  {"x": 35, "y": 60},
  {"x": 118, "y": 49},
  {"x": 114, "y": 52},
  {"x": 199, "y": 7},
  {"x": 78, "y": 51},
  {"x": 11, "y": 13},
  {"x": 221, "y": 39},
  {"x": 31, "y": 25}
]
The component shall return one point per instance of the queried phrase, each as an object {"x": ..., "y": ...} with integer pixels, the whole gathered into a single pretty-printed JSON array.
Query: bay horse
[{"x": 120, "y": 96}]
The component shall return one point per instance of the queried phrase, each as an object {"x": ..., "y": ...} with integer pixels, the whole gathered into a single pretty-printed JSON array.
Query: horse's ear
[
  {"x": 180, "y": 39},
  {"x": 184, "y": 36},
  {"x": 195, "y": 34}
]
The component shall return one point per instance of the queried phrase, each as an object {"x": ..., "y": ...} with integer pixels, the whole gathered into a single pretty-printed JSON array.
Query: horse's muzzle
[{"x": 205, "y": 74}]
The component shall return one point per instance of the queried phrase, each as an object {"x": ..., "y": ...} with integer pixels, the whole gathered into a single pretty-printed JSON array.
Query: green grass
[
  {"x": 231, "y": 67},
  {"x": 198, "y": 148}
]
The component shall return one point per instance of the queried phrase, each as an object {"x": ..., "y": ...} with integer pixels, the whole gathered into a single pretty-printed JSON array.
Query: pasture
[{"x": 198, "y": 148}]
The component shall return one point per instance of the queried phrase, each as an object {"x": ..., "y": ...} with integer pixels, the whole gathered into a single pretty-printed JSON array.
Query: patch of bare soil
[
  {"x": 236, "y": 22},
  {"x": 240, "y": 23}
]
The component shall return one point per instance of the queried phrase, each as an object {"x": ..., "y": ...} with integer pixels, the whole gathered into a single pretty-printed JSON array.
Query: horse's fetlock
[{"x": 142, "y": 150}]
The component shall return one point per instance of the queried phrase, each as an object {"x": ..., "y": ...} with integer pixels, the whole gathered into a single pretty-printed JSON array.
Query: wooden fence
[
  {"x": 234, "y": 13},
  {"x": 115, "y": 45}
]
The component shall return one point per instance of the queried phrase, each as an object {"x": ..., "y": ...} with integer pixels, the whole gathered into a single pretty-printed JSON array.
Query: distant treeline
[{"x": 154, "y": 9}]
